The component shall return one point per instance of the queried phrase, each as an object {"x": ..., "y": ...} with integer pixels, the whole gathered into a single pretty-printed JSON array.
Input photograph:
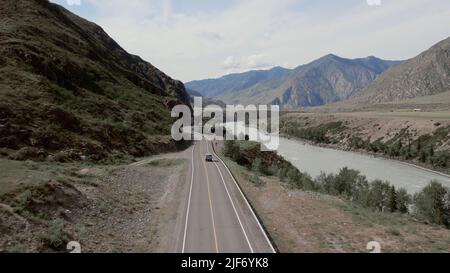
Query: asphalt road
[{"x": 216, "y": 216}]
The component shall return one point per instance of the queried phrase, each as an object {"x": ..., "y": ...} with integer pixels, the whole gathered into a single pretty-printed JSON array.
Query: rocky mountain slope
[
  {"x": 424, "y": 75},
  {"x": 326, "y": 80},
  {"x": 69, "y": 91},
  {"x": 235, "y": 83}
]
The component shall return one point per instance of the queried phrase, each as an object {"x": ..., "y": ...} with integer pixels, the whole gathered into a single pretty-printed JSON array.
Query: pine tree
[
  {"x": 258, "y": 166},
  {"x": 393, "y": 204},
  {"x": 431, "y": 151},
  {"x": 430, "y": 204},
  {"x": 378, "y": 195},
  {"x": 403, "y": 200}
]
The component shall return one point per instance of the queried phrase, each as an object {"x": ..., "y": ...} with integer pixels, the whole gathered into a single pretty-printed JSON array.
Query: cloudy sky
[{"x": 197, "y": 39}]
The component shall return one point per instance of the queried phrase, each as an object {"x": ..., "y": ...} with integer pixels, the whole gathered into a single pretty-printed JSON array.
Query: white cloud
[
  {"x": 374, "y": 2},
  {"x": 251, "y": 34},
  {"x": 213, "y": 36},
  {"x": 230, "y": 62},
  {"x": 255, "y": 61},
  {"x": 167, "y": 10},
  {"x": 74, "y": 2}
]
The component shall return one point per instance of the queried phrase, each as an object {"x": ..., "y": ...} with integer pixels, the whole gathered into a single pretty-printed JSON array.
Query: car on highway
[{"x": 209, "y": 158}]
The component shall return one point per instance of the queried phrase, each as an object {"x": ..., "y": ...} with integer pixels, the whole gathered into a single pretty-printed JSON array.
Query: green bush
[
  {"x": 55, "y": 237},
  {"x": 432, "y": 204},
  {"x": 358, "y": 143},
  {"x": 379, "y": 195},
  {"x": 23, "y": 199},
  {"x": 232, "y": 150},
  {"x": 272, "y": 170},
  {"x": 344, "y": 182},
  {"x": 258, "y": 166},
  {"x": 353, "y": 186},
  {"x": 441, "y": 159},
  {"x": 403, "y": 201},
  {"x": 392, "y": 200},
  {"x": 256, "y": 180}
]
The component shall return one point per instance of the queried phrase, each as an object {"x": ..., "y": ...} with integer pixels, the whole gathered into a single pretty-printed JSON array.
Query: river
[{"x": 314, "y": 160}]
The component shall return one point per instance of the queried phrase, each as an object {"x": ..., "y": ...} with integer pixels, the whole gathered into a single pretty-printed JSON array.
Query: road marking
[
  {"x": 189, "y": 200},
  {"x": 248, "y": 204},
  {"x": 210, "y": 205},
  {"x": 234, "y": 207}
]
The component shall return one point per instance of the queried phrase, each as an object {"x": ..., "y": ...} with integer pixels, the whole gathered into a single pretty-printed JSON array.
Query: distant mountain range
[
  {"x": 425, "y": 75},
  {"x": 326, "y": 80},
  {"x": 333, "y": 79},
  {"x": 69, "y": 91}
]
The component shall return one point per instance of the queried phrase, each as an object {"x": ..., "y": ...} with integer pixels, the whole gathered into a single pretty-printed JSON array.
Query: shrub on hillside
[
  {"x": 232, "y": 150},
  {"x": 432, "y": 204},
  {"x": 403, "y": 201},
  {"x": 353, "y": 186},
  {"x": 379, "y": 195},
  {"x": 55, "y": 237}
]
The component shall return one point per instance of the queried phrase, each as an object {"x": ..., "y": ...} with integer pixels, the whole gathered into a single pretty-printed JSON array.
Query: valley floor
[{"x": 134, "y": 208}]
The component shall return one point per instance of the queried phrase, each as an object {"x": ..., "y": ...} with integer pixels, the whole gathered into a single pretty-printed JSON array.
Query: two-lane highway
[{"x": 217, "y": 218}]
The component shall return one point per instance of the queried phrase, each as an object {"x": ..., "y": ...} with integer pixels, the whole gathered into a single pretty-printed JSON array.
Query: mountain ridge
[
  {"x": 424, "y": 75},
  {"x": 328, "y": 79},
  {"x": 253, "y": 77}
]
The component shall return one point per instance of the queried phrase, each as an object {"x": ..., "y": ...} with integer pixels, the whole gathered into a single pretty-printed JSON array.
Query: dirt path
[{"x": 142, "y": 206}]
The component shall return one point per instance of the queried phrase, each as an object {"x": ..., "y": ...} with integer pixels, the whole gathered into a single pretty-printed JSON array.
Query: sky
[{"x": 199, "y": 39}]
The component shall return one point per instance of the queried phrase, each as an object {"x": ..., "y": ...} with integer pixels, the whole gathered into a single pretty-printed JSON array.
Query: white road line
[
  {"x": 189, "y": 201},
  {"x": 234, "y": 207},
  {"x": 210, "y": 205},
  {"x": 248, "y": 204}
]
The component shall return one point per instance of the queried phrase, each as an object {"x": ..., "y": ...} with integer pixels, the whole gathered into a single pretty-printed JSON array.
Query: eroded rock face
[
  {"x": 424, "y": 75},
  {"x": 66, "y": 85}
]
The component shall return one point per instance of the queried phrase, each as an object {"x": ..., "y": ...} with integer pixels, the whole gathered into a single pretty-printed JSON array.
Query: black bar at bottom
[{"x": 217, "y": 262}]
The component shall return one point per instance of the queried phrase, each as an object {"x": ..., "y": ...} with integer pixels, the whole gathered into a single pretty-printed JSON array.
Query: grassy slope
[{"x": 65, "y": 84}]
